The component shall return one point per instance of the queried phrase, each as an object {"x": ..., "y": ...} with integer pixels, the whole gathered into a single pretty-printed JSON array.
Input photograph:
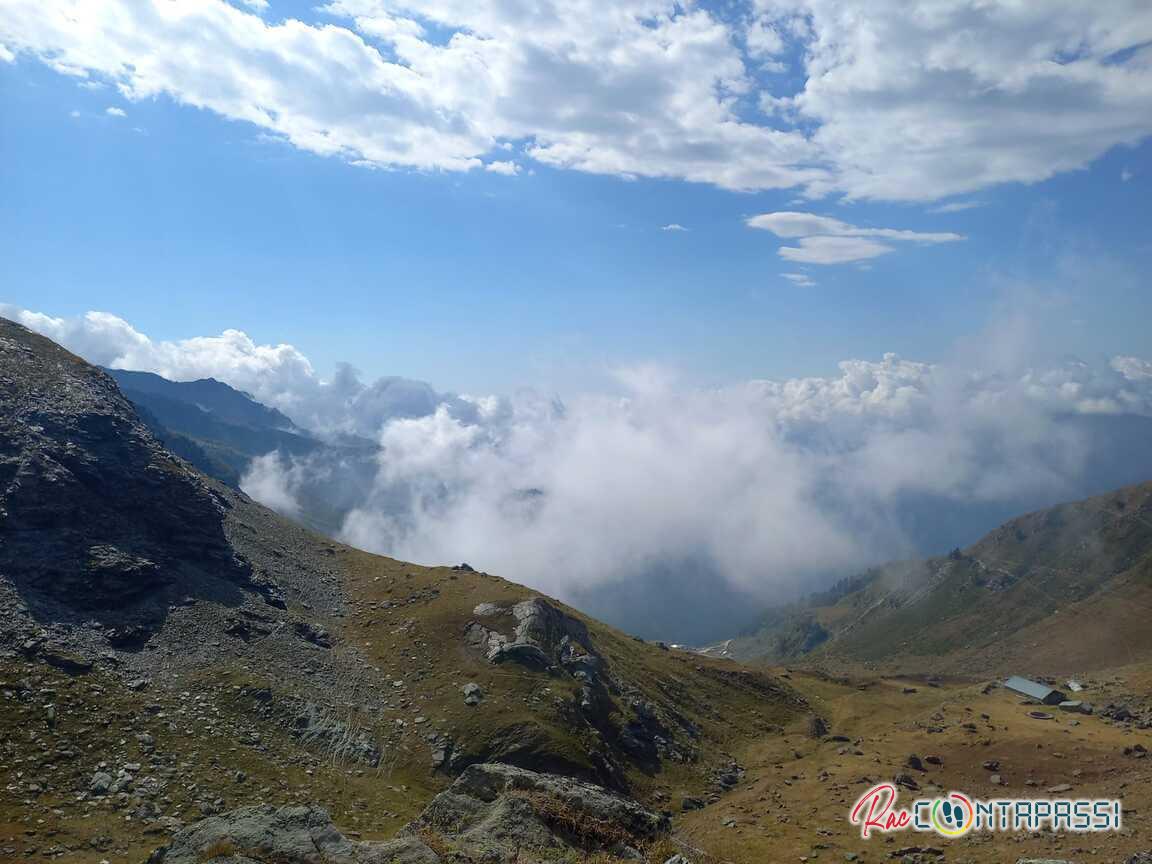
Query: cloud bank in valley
[{"x": 754, "y": 490}]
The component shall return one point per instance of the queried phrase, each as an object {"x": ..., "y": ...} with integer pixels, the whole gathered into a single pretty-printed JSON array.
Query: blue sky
[{"x": 186, "y": 221}]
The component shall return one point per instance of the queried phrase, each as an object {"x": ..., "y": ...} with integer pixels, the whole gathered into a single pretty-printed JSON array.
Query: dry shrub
[
  {"x": 434, "y": 842},
  {"x": 588, "y": 832},
  {"x": 222, "y": 848}
]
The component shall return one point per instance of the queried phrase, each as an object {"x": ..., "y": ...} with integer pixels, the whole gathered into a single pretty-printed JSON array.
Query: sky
[
  {"x": 716, "y": 301},
  {"x": 318, "y": 175}
]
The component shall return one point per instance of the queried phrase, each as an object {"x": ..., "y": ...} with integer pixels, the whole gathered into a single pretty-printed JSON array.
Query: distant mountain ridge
[
  {"x": 221, "y": 430},
  {"x": 221, "y": 400},
  {"x": 1068, "y": 583}
]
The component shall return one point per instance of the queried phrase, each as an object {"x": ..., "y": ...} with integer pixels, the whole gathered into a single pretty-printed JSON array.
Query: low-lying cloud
[{"x": 744, "y": 494}]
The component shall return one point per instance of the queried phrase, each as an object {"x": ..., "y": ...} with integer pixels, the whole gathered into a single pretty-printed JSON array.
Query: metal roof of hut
[{"x": 1033, "y": 690}]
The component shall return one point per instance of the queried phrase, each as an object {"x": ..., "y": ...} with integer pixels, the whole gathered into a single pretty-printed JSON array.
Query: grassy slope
[
  {"x": 1062, "y": 582},
  {"x": 202, "y": 722},
  {"x": 725, "y": 702}
]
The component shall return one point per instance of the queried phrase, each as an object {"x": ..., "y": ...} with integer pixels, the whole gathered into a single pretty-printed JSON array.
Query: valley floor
[{"x": 793, "y": 804}]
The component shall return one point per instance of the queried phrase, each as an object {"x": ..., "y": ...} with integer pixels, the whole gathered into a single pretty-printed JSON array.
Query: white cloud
[
  {"x": 763, "y": 39},
  {"x": 258, "y": 5},
  {"x": 6, "y": 56},
  {"x": 673, "y": 226},
  {"x": 899, "y": 103},
  {"x": 833, "y": 250},
  {"x": 270, "y": 480},
  {"x": 792, "y": 224},
  {"x": 766, "y": 484},
  {"x": 510, "y": 169},
  {"x": 801, "y": 279},
  {"x": 945, "y": 98},
  {"x": 957, "y": 206},
  {"x": 278, "y": 375},
  {"x": 115, "y": 112},
  {"x": 824, "y": 240}
]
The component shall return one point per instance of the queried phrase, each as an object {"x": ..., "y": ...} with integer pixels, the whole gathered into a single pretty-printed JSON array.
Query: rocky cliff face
[{"x": 95, "y": 516}]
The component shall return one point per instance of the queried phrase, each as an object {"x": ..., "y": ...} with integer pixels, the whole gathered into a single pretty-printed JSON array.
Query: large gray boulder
[
  {"x": 285, "y": 835},
  {"x": 492, "y": 812},
  {"x": 541, "y": 637},
  {"x": 493, "y": 809}
]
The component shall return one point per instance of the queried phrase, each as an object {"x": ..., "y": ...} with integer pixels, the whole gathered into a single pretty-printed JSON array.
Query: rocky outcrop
[
  {"x": 492, "y": 812},
  {"x": 537, "y": 635},
  {"x": 503, "y": 806},
  {"x": 95, "y": 516},
  {"x": 284, "y": 835},
  {"x": 541, "y": 637}
]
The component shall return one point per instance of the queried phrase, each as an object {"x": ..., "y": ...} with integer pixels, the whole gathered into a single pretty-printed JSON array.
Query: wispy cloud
[
  {"x": 115, "y": 112},
  {"x": 824, "y": 240},
  {"x": 957, "y": 206},
  {"x": 802, "y": 279},
  {"x": 673, "y": 226}
]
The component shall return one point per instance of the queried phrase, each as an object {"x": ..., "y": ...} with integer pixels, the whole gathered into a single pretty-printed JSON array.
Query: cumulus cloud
[
  {"x": 928, "y": 100},
  {"x": 510, "y": 169},
  {"x": 277, "y": 375},
  {"x": 894, "y": 102},
  {"x": 754, "y": 490},
  {"x": 115, "y": 112},
  {"x": 673, "y": 226},
  {"x": 767, "y": 485},
  {"x": 824, "y": 240}
]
